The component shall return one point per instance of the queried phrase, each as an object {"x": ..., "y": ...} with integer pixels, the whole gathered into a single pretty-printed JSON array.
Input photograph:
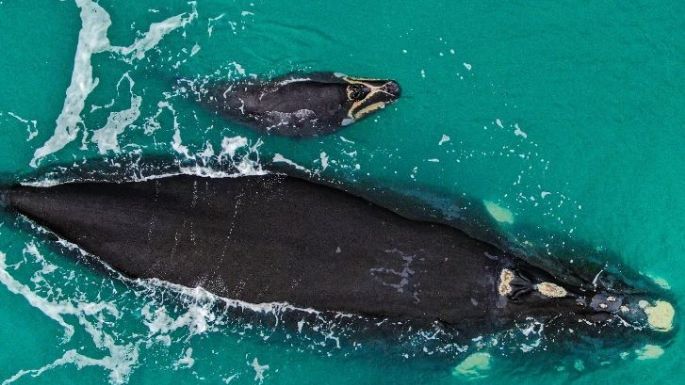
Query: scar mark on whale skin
[{"x": 404, "y": 275}]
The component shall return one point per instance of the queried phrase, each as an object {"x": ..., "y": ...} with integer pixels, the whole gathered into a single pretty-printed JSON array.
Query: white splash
[{"x": 229, "y": 145}]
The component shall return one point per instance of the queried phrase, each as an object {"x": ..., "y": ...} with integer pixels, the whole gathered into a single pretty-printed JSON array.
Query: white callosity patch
[
  {"x": 551, "y": 290},
  {"x": 548, "y": 289},
  {"x": 95, "y": 22},
  {"x": 505, "y": 278}
]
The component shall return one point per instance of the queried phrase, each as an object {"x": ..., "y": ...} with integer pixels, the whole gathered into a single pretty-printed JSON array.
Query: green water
[{"x": 565, "y": 114}]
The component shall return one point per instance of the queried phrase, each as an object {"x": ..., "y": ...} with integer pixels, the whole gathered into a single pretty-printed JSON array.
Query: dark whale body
[
  {"x": 273, "y": 238},
  {"x": 299, "y": 105}
]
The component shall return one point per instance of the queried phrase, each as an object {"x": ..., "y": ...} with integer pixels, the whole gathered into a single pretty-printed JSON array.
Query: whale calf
[
  {"x": 276, "y": 238},
  {"x": 298, "y": 105}
]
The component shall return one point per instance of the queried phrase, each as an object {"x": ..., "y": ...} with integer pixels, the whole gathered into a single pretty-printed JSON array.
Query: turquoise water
[{"x": 564, "y": 117}]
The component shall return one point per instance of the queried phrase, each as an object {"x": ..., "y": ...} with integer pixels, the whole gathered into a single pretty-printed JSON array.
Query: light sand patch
[
  {"x": 660, "y": 315},
  {"x": 473, "y": 366},
  {"x": 499, "y": 213},
  {"x": 649, "y": 352}
]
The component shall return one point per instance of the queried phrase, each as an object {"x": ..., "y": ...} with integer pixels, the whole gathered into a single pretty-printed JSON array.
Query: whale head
[
  {"x": 365, "y": 96},
  {"x": 613, "y": 306}
]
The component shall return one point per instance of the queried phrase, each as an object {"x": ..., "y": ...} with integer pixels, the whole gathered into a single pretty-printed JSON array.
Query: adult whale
[
  {"x": 273, "y": 238},
  {"x": 297, "y": 105}
]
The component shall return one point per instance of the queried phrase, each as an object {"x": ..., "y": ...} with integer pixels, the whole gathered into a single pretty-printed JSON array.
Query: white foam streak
[
  {"x": 196, "y": 319},
  {"x": 117, "y": 121},
  {"x": 155, "y": 33},
  {"x": 92, "y": 39},
  {"x": 201, "y": 295},
  {"x": 80, "y": 361},
  {"x": 121, "y": 358},
  {"x": 48, "y": 308},
  {"x": 278, "y": 158},
  {"x": 95, "y": 22}
]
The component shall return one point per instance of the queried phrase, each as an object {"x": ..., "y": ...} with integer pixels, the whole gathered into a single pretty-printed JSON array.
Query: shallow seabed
[{"x": 558, "y": 117}]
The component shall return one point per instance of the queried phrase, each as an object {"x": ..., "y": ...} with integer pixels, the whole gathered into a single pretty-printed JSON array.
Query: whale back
[{"x": 275, "y": 238}]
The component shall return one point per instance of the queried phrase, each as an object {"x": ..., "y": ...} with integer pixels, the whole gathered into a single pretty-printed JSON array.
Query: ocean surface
[{"x": 564, "y": 119}]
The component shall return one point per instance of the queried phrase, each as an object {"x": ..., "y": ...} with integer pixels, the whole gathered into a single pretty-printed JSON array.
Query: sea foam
[{"x": 93, "y": 39}]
